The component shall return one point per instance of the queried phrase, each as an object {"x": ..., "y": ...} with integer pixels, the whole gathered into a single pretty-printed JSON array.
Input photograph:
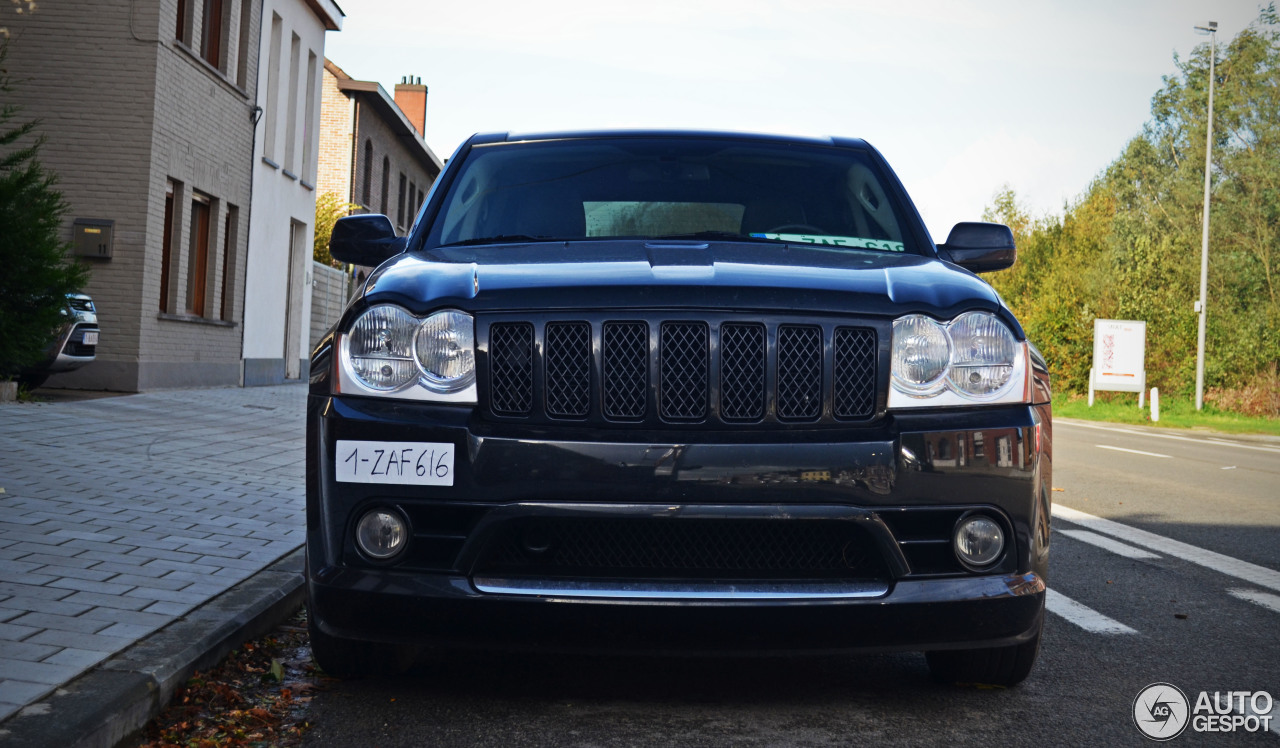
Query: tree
[
  {"x": 329, "y": 208},
  {"x": 38, "y": 274},
  {"x": 1129, "y": 247}
]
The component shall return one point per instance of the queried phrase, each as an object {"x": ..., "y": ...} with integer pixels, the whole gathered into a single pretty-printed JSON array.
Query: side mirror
[
  {"x": 367, "y": 239},
  {"x": 980, "y": 247}
]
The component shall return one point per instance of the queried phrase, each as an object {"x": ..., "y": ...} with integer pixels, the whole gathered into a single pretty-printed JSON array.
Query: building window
[
  {"x": 308, "y": 165},
  {"x": 230, "y": 227},
  {"x": 386, "y": 184},
  {"x": 242, "y": 52},
  {"x": 400, "y": 203},
  {"x": 182, "y": 30},
  {"x": 198, "y": 255},
  {"x": 413, "y": 199},
  {"x": 273, "y": 88},
  {"x": 291, "y": 123},
  {"x": 367, "y": 180},
  {"x": 166, "y": 248},
  {"x": 212, "y": 33}
]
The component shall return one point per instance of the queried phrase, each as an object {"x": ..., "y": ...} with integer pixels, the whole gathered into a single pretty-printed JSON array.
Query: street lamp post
[{"x": 1202, "y": 305}]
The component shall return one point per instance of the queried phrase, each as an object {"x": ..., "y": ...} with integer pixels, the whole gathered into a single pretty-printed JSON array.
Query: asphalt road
[{"x": 1165, "y": 568}]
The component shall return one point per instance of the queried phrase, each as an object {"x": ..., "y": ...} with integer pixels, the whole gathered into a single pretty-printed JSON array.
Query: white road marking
[
  {"x": 1265, "y": 599},
  {"x": 1086, "y": 618},
  {"x": 1133, "y": 451},
  {"x": 1223, "y": 442},
  {"x": 1232, "y": 567},
  {"x": 1115, "y": 546},
  {"x": 1229, "y": 467}
]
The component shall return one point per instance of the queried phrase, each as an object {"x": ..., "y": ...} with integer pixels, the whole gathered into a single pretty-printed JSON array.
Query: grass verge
[{"x": 1122, "y": 407}]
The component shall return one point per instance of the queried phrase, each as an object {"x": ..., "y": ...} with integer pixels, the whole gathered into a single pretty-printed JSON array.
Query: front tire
[
  {"x": 352, "y": 658},
  {"x": 995, "y": 666},
  {"x": 32, "y": 380}
]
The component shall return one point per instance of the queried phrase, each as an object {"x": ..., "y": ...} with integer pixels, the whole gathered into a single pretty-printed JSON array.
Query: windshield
[{"x": 635, "y": 187}]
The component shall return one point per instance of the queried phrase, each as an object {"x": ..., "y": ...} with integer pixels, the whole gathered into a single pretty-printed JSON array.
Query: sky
[{"x": 962, "y": 97}]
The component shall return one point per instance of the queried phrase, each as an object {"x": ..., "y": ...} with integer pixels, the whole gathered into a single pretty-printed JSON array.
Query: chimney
[{"x": 411, "y": 97}]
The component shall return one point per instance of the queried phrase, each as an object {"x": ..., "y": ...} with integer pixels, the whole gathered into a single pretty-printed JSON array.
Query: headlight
[
  {"x": 392, "y": 353},
  {"x": 971, "y": 359},
  {"x": 921, "y": 353},
  {"x": 982, "y": 354},
  {"x": 445, "y": 350},
  {"x": 381, "y": 348}
]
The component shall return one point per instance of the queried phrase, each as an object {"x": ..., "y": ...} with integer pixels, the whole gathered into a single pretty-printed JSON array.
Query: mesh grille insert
[
  {"x": 682, "y": 549},
  {"x": 626, "y": 369},
  {"x": 568, "y": 361},
  {"x": 855, "y": 373},
  {"x": 511, "y": 368},
  {"x": 742, "y": 372},
  {"x": 684, "y": 377},
  {"x": 799, "y": 373}
]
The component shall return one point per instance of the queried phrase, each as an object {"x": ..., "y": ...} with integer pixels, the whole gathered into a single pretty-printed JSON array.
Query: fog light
[
  {"x": 381, "y": 534},
  {"x": 978, "y": 541}
]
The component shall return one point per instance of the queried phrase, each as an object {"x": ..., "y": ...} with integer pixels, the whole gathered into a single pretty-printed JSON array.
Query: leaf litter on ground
[{"x": 255, "y": 698}]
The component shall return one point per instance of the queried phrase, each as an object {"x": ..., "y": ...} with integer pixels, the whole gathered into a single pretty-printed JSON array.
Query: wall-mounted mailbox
[{"x": 92, "y": 237}]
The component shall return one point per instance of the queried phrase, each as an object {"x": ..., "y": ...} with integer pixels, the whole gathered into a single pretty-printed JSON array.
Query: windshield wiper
[
  {"x": 501, "y": 239},
  {"x": 727, "y": 235}
]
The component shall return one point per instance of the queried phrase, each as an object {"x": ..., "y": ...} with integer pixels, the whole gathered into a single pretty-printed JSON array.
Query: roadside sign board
[{"x": 1119, "y": 357}]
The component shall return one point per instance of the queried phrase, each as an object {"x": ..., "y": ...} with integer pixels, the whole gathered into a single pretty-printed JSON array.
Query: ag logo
[{"x": 1161, "y": 711}]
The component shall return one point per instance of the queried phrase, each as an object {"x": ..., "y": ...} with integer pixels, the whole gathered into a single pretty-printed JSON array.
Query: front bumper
[
  {"x": 447, "y": 610},
  {"x": 995, "y": 459}
]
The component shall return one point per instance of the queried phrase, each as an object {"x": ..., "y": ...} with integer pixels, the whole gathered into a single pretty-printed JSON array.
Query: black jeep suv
[{"x": 669, "y": 391}]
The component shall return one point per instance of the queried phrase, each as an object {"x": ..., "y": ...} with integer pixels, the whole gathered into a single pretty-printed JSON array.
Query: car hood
[{"x": 638, "y": 274}]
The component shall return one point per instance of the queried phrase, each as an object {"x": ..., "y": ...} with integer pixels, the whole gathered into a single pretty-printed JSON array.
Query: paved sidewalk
[{"x": 119, "y": 516}]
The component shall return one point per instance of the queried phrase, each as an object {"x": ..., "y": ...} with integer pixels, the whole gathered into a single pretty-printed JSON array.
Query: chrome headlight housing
[
  {"x": 972, "y": 359},
  {"x": 392, "y": 353}
]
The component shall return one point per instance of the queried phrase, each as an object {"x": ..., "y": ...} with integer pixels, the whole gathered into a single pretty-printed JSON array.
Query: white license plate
[
  {"x": 90, "y": 337},
  {"x": 401, "y": 463}
]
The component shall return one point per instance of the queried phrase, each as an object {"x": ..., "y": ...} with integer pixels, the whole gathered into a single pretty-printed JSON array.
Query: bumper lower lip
[{"x": 448, "y": 610}]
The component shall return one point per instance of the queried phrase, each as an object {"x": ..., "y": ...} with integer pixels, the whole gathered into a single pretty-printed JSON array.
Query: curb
[{"x": 108, "y": 704}]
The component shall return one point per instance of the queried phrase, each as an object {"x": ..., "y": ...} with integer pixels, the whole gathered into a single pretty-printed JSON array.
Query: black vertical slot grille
[
  {"x": 731, "y": 370},
  {"x": 568, "y": 373},
  {"x": 626, "y": 369},
  {"x": 799, "y": 372},
  {"x": 742, "y": 372},
  {"x": 511, "y": 368},
  {"x": 684, "y": 371},
  {"x": 854, "y": 389}
]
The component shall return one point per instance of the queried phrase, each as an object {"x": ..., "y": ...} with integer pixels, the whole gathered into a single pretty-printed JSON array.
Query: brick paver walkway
[{"x": 120, "y": 514}]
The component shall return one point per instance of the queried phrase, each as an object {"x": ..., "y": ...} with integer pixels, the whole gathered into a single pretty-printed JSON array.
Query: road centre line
[
  {"x": 1108, "y": 544},
  {"x": 1265, "y": 599},
  {"x": 1232, "y": 567},
  {"x": 1133, "y": 451},
  {"x": 1083, "y": 616},
  {"x": 1223, "y": 442}
]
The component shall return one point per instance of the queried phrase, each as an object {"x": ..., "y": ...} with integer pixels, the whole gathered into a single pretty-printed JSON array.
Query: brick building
[
  {"x": 285, "y": 167},
  {"x": 372, "y": 151},
  {"x": 147, "y": 107}
]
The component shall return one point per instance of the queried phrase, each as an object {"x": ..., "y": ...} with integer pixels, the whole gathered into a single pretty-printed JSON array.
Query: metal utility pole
[{"x": 1202, "y": 305}]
